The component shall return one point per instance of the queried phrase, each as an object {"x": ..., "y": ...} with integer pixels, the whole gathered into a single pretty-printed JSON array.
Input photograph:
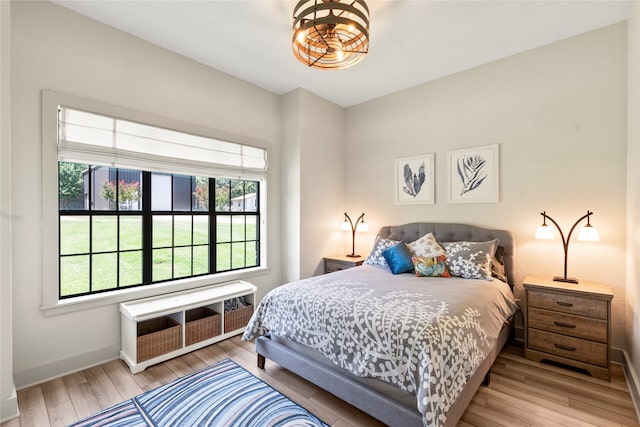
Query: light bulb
[{"x": 351, "y": 27}]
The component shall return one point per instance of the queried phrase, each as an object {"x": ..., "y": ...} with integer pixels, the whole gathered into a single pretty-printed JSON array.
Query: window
[
  {"x": 141, "y": 204},
  {"x": 121, "y": 227}
]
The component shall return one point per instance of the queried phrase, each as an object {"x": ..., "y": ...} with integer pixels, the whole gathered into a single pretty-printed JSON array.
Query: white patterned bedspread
[{"x": 424, "y": 335}]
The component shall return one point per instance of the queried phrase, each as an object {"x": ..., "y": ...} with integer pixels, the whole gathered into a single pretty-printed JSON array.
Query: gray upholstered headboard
[{"x": 446, "y": 232}]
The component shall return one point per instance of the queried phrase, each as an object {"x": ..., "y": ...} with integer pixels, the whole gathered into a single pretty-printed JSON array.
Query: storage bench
[{"x": 160, "y": 328}]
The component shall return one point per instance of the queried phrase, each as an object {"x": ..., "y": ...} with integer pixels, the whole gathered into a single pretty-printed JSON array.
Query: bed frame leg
[
  {"x": 487, "y": 379},
  {"x": 261, "y": 360}
]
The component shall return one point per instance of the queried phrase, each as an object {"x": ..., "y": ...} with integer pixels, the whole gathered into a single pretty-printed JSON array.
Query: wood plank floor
[{"x": 521, "y": 393}]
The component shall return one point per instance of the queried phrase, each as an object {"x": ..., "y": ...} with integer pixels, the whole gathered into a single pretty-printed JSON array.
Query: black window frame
[{"x": 147, "y": 214}]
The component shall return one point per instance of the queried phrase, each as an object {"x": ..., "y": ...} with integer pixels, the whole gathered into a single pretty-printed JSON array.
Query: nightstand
[
  {"x": 341, "y": 262},
  {"x": 569, "y": 323}
]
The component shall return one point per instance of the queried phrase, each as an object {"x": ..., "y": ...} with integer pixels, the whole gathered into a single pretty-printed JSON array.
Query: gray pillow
[
  {"x": 375, "y": 256},
  {"x": 470, "y": 260}
]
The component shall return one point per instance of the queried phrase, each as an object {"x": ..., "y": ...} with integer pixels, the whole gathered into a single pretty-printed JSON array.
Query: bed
[{"x": 408, "y": 350}]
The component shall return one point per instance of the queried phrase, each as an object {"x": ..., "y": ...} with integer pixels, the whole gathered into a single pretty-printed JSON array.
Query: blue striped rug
[{"x": 224, "y": 394}]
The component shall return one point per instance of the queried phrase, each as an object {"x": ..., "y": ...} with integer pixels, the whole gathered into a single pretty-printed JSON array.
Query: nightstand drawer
[
  {"x": 565, "y": 303},
  {"x": 341, "y": 262},
  {"x": 569, "y": 347},
  {"x": 331, "y": 266},
  {"x": 568, "y": 324}
]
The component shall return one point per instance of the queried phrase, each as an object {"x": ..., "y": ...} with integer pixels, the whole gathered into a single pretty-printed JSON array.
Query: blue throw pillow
[{"x": 398, "y": 258}]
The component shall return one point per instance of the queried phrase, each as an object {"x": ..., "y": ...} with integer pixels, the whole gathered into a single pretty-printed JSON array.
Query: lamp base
[
  {"x": 565, "y": 279},
  {"x": 353, "y": 256}
]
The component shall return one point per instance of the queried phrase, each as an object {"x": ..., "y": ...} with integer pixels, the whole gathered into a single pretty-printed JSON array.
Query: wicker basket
[
  {"x": 158, "y": 336},
  {"x": 236, "y": 319},
  {"x": 201, "y": 323}
]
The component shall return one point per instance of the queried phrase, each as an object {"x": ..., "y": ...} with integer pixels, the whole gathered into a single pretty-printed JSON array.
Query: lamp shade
[
  {"x": 545, "y": 232},
  {"x": 589, "y": 234},
  {"x": 362, "y": 226},
  {"x": 345, "y": 226}
]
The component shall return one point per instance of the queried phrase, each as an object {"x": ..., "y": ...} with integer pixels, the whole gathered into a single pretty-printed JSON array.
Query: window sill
[{"x": 92, "y": 301}]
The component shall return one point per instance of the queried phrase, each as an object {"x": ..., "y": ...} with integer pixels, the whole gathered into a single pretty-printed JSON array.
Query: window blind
[{"x": 91, "y": 138}]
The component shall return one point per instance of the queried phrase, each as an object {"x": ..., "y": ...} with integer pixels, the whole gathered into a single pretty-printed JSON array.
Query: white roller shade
[{"x": 95, "y": 139}]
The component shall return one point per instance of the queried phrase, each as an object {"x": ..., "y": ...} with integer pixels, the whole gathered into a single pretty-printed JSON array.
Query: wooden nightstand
[
  {"x": 341, "y": 262},
  {"x": 569, "y": 323}
]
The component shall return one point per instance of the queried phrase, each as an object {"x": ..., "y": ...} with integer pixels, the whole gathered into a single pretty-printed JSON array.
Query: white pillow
[{"x": 426, "y": 247}]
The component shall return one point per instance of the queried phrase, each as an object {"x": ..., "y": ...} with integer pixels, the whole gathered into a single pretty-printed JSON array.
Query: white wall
[
  {"x": 313, "y": 179},
  {"x": 291, "y": 189},
  {"x": 559, "y": 115},
  {"x": 57, "y": 49},
  {"x": 322, "y": 165},
  {"x": 633, "y": 191},
  {"x": 8, "y": 401}
]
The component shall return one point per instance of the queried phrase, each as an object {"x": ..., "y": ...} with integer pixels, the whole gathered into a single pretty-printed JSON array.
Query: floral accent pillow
[
  {"x": 426, "y": 246},
  {"x": 470, "y": 260},
  {"x": 375, "y": 256},
  {"x": 398, "y": 258},
  {"x": 431, "y": 266}
]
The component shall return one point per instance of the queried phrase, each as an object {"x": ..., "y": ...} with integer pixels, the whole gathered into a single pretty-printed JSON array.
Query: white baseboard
[
  {"x": 9, "y": 407},
  {"x": 617, "y": 355},
  {"x": 632, "y": 380},
  {"x": 58, "y": 368}
]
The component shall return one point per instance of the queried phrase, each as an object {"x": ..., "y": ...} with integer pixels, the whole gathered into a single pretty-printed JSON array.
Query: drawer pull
[
  {"x": 564, "y": 304},
  {"x": 564, "y": 325},
  {"x": 565, "y": 347}
]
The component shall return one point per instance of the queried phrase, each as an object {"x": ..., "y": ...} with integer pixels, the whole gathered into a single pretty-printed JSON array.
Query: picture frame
[
  {"x": 474, "y": 174},
  {"x": 415, "y": 180}
]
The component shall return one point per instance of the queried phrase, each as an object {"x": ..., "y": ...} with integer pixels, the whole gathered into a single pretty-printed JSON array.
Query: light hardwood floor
[{"x": 521, "y": 393}]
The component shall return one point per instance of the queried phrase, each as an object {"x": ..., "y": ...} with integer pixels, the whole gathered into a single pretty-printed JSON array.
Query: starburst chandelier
[{"x": 330, "y": 34}]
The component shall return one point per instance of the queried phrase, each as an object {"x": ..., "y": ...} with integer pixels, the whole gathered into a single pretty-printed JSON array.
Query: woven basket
[
  {"x": 236, "y": 319},
  {"x": 157, "y": 336},
  {"x": 201, "y": 323}
]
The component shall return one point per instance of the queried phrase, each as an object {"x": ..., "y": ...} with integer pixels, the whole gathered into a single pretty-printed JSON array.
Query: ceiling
[{"x": 411, "y": 42}]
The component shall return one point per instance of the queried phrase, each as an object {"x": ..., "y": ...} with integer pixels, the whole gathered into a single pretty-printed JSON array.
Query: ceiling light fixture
[{"x": 328, "y": 34}]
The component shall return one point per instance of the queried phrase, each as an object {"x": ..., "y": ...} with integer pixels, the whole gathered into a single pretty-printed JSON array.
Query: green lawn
[{"x": 232, "y": 251}]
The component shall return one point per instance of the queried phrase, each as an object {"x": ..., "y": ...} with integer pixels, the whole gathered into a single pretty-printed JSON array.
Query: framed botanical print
[
  {"x": 415, "y": 180},
  {"x": 474, "y": 174}
]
